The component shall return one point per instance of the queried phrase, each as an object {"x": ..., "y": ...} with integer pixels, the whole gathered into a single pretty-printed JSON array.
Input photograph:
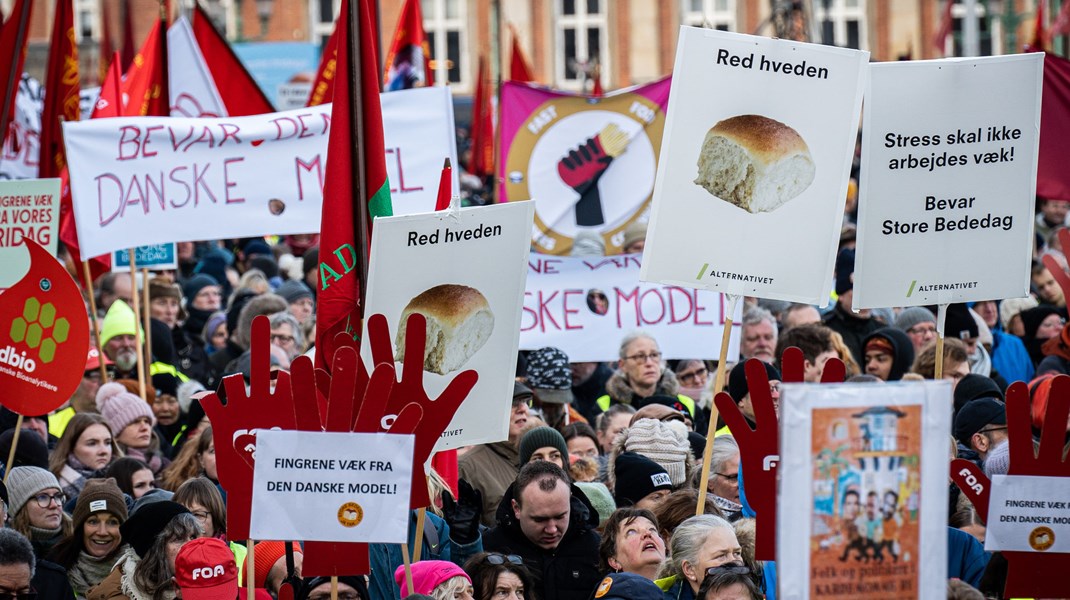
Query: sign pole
[
  {"x": 334, "y": 587},
  {"x": 138, "y": 333},
  {"x": 96, "y": 321},
  {"x": 14, "y": 444},
  {"x": 941, "y": 316},
  {"x": 718, "y": 383},
  {"x": 408, "y": 565},
  {"x": 250, "y": 591},
  {"x": 421, "y": 516},
  {"x": 147, "y": 316}
]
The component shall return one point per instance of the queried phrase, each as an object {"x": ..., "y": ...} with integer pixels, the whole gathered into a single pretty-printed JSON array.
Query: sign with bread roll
[
  {"x": 949, "y": 172},
  {"x": 464, "y": 271},
  {"x": 754, "y": 166}
]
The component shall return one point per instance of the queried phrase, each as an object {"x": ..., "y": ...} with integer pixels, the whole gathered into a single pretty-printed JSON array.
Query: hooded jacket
[
  {"x": 490, "y": 468},
  {"x": 621, "y": 392},
  {"x": 570, "y": 571},
  {"x": 903, "y": 358}
]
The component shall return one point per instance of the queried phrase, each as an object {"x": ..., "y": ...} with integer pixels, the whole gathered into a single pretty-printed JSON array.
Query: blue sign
[
  {"x": 154, "y": 257},
  {"x": 277, "y": 63}
]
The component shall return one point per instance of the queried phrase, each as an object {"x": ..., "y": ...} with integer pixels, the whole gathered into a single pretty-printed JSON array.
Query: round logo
[
  {"x": 1041, "y": 538},
  {"x": 603, "y": 588},
  {"x": 350, "y": 514}
]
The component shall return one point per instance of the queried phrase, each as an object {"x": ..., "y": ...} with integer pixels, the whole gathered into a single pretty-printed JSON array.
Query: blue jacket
[
  {"x": 768, "y": 566},
  {"x": 386, "y": 558},
  {"x": 966, "y": 557},
  {"x": 1010, "y": 358}
]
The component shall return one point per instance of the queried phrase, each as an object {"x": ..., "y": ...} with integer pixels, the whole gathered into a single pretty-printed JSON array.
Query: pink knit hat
[
  {"x": 121, "y": 408},
  {"x": 427, "y": 574}
]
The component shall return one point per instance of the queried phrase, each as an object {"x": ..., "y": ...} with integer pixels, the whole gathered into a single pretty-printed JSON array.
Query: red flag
[
  {"x": 944, "y": 30},
  {"x": 481, "y": 162},
  {"x": 596, "y": 89},
  {"x": 145, "y": 83},
  {"x": 107, "y": 46},
  {"x": 240, "y": 93},
  {"x": 445, "y": 187},
  {"x": 1040, "y": 37},
  {"x": 408, "y": 64},
  {"x": 519, "y": 69},
  {"x": 128, "y": 34},
  {"x": 350, "y": 153},
  {"x": 62, "y": 84},
  {"x": 323, "y": 86},
  {"x": 1061, "y": 26},
  {"x": 1053, "y": 178},
  {"x": 12, "y": 55}
]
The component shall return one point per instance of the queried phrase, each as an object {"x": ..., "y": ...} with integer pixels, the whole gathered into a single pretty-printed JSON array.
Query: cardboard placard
[
  {"x": 862, "y": 501},
  {"x": 1028, "y": 514},
  {"x": 757, "y": 151},
  {"x": 29, "y": 209},
  {"x": 464, "y": 270},
  {"x": 154, "y": 257},
  {"x": 331, "y": 487},
  {"x": 949, "y": 171},
  {"x": 584, "y": 306}
]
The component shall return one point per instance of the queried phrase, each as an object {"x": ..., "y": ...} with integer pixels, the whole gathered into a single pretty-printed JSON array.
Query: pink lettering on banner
[
  {"x": 189, "y": 191},
  {"x": 227, "y": 183},
  {"x": 619, "y": 262},
  {"x": 230, "y": 132},
  {"x": 148, "y": 134},
  {"x": 102, "y": 179},
  {"x": 307, "y": 167},
  {"x": 291, "y": 127},
  {"x": 21, "y": 145},
  {"x": 305, "y": 131},
  {"x": 528, "y": 313},
  {"x": 544, "y": 265},
  {"x": 199, "y": 184},
  {"x": 394, "y": 162},
  {"x": 125, "y": 140},
  {"x": 568, "y": 296},
  {"x": 175, "y": 142}
]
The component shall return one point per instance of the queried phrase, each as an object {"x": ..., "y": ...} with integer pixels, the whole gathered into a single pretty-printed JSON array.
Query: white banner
[
  {"x": 754, "y": 166},
  {"x": 862, "y": 498},
  {"x": 949, "y": 173},
  {"x": 28, "y": 209},
  {"x": 331, "y": 487},
  {"x": 464, "y": 271},
  {"x": 584, "y": 306},
  {"x": 1028, "y": 514},
  {"x": 193, "y": 93},
  {"x": 22, "y": 144},
  {"x": 149, "y": 180}
]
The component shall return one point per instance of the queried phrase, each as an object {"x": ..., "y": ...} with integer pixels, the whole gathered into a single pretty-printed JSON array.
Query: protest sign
[
  {"x": 22, "y": 144},
  {"x": 29, "y": 209},
  {"x": 147, "y": 180},
  {"x": 154, "y": 257},
  {"x": 1028, "y": 514},
  {"x": 588, "y": 163},
  {"x": 862, "y": 502},
  {"x": 331, "y": 487},
  {"x": 948, "y": 175},
  {"x": 584, "y": 306},
  {"x": 463, "y": 270},
  {"x": 754, "y": 166}
]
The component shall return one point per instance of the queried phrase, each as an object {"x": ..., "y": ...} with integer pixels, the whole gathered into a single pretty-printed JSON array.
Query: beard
[{"x": 126, "y": 360}]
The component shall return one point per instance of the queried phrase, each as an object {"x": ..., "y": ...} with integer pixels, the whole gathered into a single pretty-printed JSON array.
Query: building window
[
  {"x": 322, "y": 16},
  {"x": 711, "y": 14},
  {"x": 987, "y": 27},
  {"x": 86, "y": 19},
  {"x": 842, "y": 21},
  {"x": 580, "y": 27},
  {"x": 444, "y": 22}
]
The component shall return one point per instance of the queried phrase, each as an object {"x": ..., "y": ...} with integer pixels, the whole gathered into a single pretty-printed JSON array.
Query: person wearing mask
[
  {"x": 85, "y": 450},
  {"x": 631, "y": 543},
  {"x": 491, "y": 468},
  {"x": 95, "y": 544}
]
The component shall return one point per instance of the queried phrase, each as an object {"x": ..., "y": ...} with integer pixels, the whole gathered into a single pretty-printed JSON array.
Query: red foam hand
[
  {"x": 1029, "y": 574},
  {"x": 235, "y": 423},
  {"x": 437, "y": 413}
]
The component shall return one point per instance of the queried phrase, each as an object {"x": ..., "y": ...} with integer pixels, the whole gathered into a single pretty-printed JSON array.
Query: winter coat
[
  {"x": 491, "y": 469},
  {"x": 120, "y": 584},
  {"x": 588, "y": 392},
  {"x": 570, "y": 571},
  {"x": 852, "y": 329},
  {"x": 50, "y": 581},
  {"x": 1010, "y": 358},
  {"x": 619, "y": 391},
  {"x": 386, "y": 558}
]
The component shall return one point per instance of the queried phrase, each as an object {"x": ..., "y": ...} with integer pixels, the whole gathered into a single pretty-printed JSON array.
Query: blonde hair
[{"x": 448, "y": 590}]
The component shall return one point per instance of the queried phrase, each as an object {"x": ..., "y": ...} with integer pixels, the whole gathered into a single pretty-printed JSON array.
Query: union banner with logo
[{"x": 588, "y": 163}]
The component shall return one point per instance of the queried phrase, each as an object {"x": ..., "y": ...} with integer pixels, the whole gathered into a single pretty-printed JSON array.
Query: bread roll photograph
[
  {"x": 755, "y": 163},
  {"x": 459, "y": 322}
]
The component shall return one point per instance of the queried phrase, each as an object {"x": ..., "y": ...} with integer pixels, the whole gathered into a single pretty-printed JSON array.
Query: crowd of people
[{"x": 115, "y": 495}]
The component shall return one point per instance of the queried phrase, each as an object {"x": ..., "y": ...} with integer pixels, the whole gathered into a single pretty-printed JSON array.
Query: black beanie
[
  {"x": 147, "y": 522},
  {"x": 737, "y": 379},
  {"x": 845, "y": 267},
  {"x": 974, "y": 386},
  {"x": 637, "y": 477},
  {"x": 31, "y": 450},
  {"x": 959, "y": 323},
  {"x": 541, "y": 437}
]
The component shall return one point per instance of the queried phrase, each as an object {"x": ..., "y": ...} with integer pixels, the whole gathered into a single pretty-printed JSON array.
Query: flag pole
[
  {"x": 138, "y": 333},
  {"x": 96, "y": 321},
  {"x": 356, "y": 104},
  {"x": 12, "y": 76},
  {"x": 14, "y": 444}
]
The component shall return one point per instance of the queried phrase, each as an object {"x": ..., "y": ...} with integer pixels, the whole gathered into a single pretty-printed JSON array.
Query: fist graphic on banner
[{"x": 583, "y": 167}]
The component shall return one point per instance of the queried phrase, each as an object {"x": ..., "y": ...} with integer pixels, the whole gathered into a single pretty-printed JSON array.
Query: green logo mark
[
  {"x": 911, "y": 290},
  {"x": 703, "y": 270},
  {"x": 39, "y": 328}
]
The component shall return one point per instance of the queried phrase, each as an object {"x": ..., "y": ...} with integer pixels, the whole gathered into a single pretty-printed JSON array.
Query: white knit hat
[
  {"x": 662, "y": 442},
  {"x": 1012, "y": 306},
  {"x": 121, "y": 408},
  {"x": 24, "y": 483}
]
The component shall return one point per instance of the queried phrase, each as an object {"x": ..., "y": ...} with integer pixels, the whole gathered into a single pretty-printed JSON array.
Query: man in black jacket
[{"x": 552, "y": 526}]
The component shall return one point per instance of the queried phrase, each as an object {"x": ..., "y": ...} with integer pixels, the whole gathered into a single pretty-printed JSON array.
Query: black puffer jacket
[{"x": 570, "y": 572}]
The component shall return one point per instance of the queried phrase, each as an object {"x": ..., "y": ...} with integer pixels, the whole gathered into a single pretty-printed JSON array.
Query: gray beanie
[
  {"x": 912, "y": 316},
  {"x": 24, "y": 483},
  {"x": 541, "y": 437},
  {"x": 588, "y": 243},
  {"x": 662, "y": 442},
  {"x": 998, "y": 461},
  {"x": 293, "y": 291}
]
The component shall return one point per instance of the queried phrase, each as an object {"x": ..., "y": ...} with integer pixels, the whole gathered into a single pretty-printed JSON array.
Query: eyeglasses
[
  {"x": 733, "y": 568},
  {"x": 282, "y": 339},
  {"x": 642, "y": 358},
  {"x": 694, "y": 376},
  {"x": 922, "y": 330},
  {"x": 991, "y": 429},
  {"x": 730, "y": 478},
  {"x": 30, "y": 595},
  {"x": 495, "y": 558},
  {"x": 201, "y": 515},
  {"x": 45, "y": 500}
]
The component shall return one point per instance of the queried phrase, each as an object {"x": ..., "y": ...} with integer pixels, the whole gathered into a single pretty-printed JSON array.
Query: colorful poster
[
  {"x": 29, "y": 209},
  {"x": 588, "y": 163},
  {"x": 949, "y": 169},
  {"x": 584, "y": 306},
  {"x": 754, "y": 166},
  {"x": 851, "y": 500}
]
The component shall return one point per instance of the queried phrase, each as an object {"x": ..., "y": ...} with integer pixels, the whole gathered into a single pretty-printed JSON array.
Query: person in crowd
[
  {"x": 95, "y": 544},
  {"x": 118, "y": 336},
  {"x": 699, "y": 543},
  {"x": 723, "y": 485},
  {"x": 1010, "y": 311},
  {"x": 798, "y": 314},
  {"x": 582, "y": 441},
  {"x": 36, "y": 508},
  {"x": 1039, "y": 325},
  {"x": 759, "y": 335},
  {"x": 24, "y": 575},
  {"x": 981, "y": 425},
  {"x": 627, "y": 586},
  {"x": 641, "y": 375},
  {"x": 694, "y": 378},
  {"x": 133, "y": 477},
  {"x": 214, "y": 333},
  {"x": 249, "y": 307},
  {"x": 499, "y": 577},
  {"x": 854, "y": 327},
  {"x": 729, "y": 582},
  {"x": 889, "y": 354},
  {"x": 194, "y": 460},
  {"x": 966, "y": 557},
  {"x": 165, "y": 305},
  {"x": 131, "y": 420},
  {"x": 680, "y": 506},
  {"x": 631, "y": 543},
  {"x": 815, "y": 341},
  {"x": 440, "y": 579},
  {"x": 553, "y": 529},
  {"x": 36, "y": 424},
  {"x": 972, "y": 387},
  {"x": 919, "y": 323},
  {"x": 588, "y": 385},
  {"x": 269, "y": 564},
  {"x": 639, "y": 482},
  {"x": 966, "y": 519},
  {"x": 491, "y": 468},
  {"x": 30, "y": 451},
  {"x": 1009, "y": 356},
  {"x": 205, "y": 570},
  {"x": 544, "y": 443},
  {"x": 664, "y": 442},
  {"x": 956, "y": 361},
  {"x": 634, "y": 238},
  {"x": 84, "y": 451},
  {"x": 201, "y": 497},
  {"x": 113, "y": 286},
  {"x": 1047, "y": 287},
  {"x": 550, "y": 379},
  {"x": 1053, "y": 215},
  {"x": 739, "y": 390},
  {"x": 156, "y": 533},
  {"x": 287, "y": 334},
  {"x": 610, "y": 423},
  {"x": 350, "y": 587},
  {"x": 299, "y": 297}
]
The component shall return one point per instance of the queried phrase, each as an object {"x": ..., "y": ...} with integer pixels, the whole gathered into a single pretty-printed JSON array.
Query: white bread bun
[
  {"x": 755, "y": 163},
  {"x": 459, "y": 322}
]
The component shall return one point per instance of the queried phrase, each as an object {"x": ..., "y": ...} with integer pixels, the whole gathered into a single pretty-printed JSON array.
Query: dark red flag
[
  {"x": 62, "y": 86},
  {"x": 481, "y": 162},
  {"x": 240, "y": 93}
]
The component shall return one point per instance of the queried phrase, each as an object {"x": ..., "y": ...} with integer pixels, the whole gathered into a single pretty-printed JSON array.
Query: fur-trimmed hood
[{"x": 621, "y": 392}]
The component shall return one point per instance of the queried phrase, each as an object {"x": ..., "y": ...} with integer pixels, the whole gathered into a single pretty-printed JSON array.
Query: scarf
[
  {"x": 88, "y": 571},
  {"x": 149, "y": 458},
  {"x": 74, "y": 482}
]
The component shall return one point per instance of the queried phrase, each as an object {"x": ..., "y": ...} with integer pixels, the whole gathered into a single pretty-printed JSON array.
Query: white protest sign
[
  {"x": 949, "y": 173},
  {"x": 1028, "y": 514},
  {"x": 862, "y": 497},
  {"x": 148, "y": 180},
  {"x": 584, "y": 306},
  {"x": 22, "y": 141},
  {"x": 29, "y": 208},
  {"x": 331, "y": 487},
  {"x": 754, "y": 166},
  {"x": 464, "y": 271}
]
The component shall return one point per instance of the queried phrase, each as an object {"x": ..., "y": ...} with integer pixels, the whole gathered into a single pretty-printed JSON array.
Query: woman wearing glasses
[
  {"x": 499, "y": 577},
  {"x": 640, "y": 375},
  {"x": 89, "y": 554},
  {"x": 37, "y": 508},
  {"x": 699, "y": 543}
]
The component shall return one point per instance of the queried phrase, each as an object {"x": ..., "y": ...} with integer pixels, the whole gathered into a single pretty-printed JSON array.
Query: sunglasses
[
  {"x": 495, "y": 558},
  {"x": 733, "y": 568}
]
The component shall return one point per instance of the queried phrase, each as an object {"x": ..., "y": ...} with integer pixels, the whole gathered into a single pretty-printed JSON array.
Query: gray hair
[
  {"x": 15, "y": 549},
  {"x": 758, "y": 314},
  {"x": 153, "y": 574},
  {"x": 687, "y": 541},
  {"x": 638, "y": 334},
  {"x": 725, "y": 449},
  {"x": 287, "y": 318}
]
